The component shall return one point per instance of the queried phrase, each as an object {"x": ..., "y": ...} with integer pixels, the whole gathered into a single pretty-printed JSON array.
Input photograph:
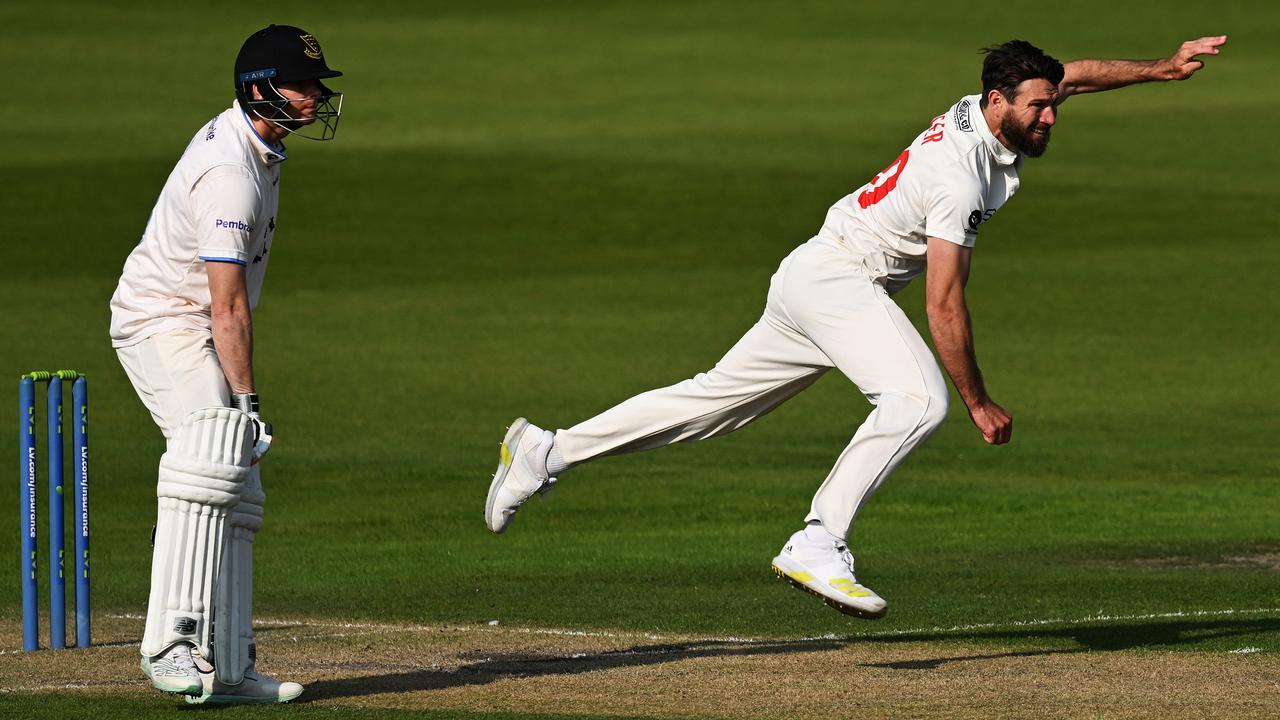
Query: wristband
[{"x": 246, "y": 403}]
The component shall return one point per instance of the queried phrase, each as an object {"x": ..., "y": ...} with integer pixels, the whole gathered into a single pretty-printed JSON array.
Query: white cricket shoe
[
  {"x": 522, "y": 472},
  {"x": 173, "y": 671},
  {"x": 254, "y": 689},
  {"x": 824, "y": 568}
]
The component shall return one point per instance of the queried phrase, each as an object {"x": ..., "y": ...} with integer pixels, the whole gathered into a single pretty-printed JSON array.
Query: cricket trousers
[
  {"x": 824, "y": 310},
  {"x": 176, "y": 373}
]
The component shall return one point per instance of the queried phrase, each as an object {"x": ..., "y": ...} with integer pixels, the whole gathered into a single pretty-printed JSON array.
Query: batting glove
[{"x": 248, "y": 403}]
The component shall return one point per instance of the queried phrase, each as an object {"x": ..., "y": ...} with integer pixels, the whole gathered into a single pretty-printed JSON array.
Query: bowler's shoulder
[
  {"x": 955, "y": 164},
  {"x": 953, "y": 134},
  {"x": 965, "y": 116}
]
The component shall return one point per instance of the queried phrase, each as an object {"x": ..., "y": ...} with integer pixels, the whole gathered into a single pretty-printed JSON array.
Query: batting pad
[
  {"x": 201, "y": 476},
  {"x": 233, "y": 648}
]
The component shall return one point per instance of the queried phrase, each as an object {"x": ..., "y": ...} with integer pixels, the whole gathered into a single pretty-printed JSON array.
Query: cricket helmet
[{"x": 285, "y": 54}]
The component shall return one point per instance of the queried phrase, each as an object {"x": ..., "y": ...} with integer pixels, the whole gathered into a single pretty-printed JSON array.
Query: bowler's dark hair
[{"x": 1007, "y": 65}]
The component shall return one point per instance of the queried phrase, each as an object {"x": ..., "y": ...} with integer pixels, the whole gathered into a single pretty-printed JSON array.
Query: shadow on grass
[
  {"x": 1170, "y": 633},
  {"x": 1063, "y": 640},
  {"x": 1092, "y": 638},
  {"x": 492, "y": 669}
]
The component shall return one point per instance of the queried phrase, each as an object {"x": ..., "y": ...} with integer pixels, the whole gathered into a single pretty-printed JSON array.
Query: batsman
[
  {"x": 830, "y": 305},
  {"x": 182, "y": 327}
]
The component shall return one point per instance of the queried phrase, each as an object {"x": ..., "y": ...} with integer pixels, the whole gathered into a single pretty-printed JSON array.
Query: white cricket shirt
[
  {"x": 949, "y": 181},
  {"x": 218, "y": 205}
]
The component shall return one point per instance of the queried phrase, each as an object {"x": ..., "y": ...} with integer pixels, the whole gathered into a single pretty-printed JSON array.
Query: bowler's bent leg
[
  {"x": 831, "y": 297},
  {"x": 853, "y": 321}
]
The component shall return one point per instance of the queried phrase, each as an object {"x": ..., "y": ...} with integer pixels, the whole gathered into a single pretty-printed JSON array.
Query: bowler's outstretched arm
[{"x": 1086, "y": 76}]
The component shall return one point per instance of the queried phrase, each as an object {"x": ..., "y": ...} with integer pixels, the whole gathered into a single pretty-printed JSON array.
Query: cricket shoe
[
  {"x": 173, "y": 671},
  {"x": 824, "y": 567},
  {"x": 254, "y": 689},
  {"x": 522, "y": 472}
]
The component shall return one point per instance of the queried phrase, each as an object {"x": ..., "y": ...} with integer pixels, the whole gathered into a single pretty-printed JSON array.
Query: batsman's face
[
  {"x": 304, "y": 99},
  {"x": 1030, "y": 116}
]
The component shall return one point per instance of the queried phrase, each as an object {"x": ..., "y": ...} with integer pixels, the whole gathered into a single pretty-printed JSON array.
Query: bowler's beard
[{"x": 1023, "y": 139}]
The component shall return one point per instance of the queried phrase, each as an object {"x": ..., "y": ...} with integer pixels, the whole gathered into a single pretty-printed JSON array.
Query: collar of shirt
[
  {"x": 1002, "y": 154},
  {"x": 268, "y": 154}
]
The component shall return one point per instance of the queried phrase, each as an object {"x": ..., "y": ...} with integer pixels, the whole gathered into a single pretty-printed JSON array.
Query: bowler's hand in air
[{"x": 1184, "y": 63}]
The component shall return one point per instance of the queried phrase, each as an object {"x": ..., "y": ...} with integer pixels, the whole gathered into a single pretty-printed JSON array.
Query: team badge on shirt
[{"x": 962, "y": 116}]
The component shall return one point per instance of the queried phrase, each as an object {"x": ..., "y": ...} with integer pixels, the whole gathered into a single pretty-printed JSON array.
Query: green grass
[{"x": 544, "y": 208}]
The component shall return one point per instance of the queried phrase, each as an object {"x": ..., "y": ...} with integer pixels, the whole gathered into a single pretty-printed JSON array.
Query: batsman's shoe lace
[
  {"x": 522, "y": 472},
  {"x": 174, "y": 671},
  {"x": 254, "y": 689},
  {"x": 824, "y": 567}
]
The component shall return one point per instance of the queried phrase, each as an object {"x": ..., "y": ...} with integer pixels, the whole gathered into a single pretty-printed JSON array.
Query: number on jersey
[{"x": 884, "y": 183}]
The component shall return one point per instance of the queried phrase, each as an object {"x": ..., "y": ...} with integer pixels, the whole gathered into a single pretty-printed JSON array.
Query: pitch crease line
[{"x": 1100, "y": 618}]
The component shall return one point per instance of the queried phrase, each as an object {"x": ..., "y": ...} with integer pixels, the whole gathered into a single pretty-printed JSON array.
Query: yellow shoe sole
[{"x": 835, "y": 604}]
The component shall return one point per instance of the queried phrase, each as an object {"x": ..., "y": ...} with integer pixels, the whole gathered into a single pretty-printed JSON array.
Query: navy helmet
[{"x": 286, "y": 54}]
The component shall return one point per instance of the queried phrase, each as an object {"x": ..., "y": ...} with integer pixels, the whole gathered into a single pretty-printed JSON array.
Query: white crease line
[
  {"x": 393, "y": 627},
  {"x": 72, "y": 648},
  {"x": 937, "y": 629},
  {"x": 1087, "y": 620}
]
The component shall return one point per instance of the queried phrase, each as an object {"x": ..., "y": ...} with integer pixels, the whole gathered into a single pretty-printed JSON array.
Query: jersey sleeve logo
[
  {"x": 962, "y": 117},
  {"x": 977, "y": 217},
  {"x": 237, "y": 225}
]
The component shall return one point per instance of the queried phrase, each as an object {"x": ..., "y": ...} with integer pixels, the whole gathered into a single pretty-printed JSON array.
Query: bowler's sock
[
  {"x": 556, "y": 463},
  {"x": 815, "y": 533}
]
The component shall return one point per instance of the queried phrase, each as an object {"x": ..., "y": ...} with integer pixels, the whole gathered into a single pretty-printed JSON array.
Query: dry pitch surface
[{"x": 495, "y": 668}]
